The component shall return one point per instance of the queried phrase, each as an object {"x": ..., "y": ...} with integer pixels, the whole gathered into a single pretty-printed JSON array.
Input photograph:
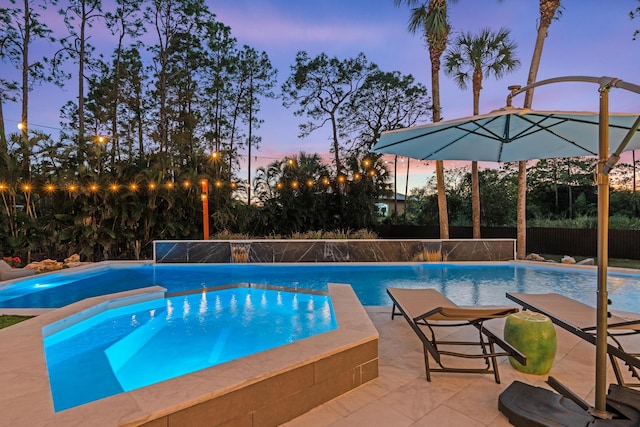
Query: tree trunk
[
  {"x": 475, "y": 199},
  {"x": 521, "y": 229},
  {"x": 406, "y": 191},
  {"x": 81, "y": 61},
  {"x": 548, "y": 9},
  {"x": 442, "y": 195},
  {"x": 3, "y": 136},
  {"x": 26, "y": 165},
  {"x": 635, "y": 200},
  {"x": 395, "y": 189},
  {"x": 475, "y": 185},
  {"x": 249, "y": 141}
]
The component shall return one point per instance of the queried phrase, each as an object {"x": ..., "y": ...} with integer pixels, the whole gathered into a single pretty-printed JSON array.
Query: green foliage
[
  {"x": 7, "y": 320},
  {"x": 335, "y": 235}
]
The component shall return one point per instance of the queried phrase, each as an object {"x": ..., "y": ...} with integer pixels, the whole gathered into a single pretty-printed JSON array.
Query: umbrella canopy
[
  {"x": 513, "y": 134},
  {"x": 508, "y": 135}
]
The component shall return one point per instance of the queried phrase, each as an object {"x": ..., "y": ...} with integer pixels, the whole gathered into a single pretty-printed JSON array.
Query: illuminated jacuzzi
[
  {"x": 266, "y": 388},
  {"x": 136, "y": 345}
]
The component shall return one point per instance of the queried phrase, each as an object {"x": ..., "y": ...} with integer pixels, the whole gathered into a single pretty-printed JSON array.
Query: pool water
[
  {"x": 466, "y": 284},
  {"x": 129, "y": 347}
]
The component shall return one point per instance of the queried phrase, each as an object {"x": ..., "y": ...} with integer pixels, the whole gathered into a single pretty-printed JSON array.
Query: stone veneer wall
[
  {"x": 267, "y": 251},
  {"x": 281, "y": 398}
]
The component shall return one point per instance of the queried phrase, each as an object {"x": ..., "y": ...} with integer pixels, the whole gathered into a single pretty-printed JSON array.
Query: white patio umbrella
[{"x": 512, "y": 134}]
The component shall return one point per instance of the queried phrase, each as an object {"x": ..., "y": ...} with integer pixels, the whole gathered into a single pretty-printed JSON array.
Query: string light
[{"x": 95, "y": 187}]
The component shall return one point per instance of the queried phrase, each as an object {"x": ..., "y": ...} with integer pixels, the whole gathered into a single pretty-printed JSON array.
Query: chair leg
[
  {"x": 494, "y": 362},
  {"x": 426, "y": 362},
  {"x": 393, "y": 311},
  {"x": 491, "y": 361}
]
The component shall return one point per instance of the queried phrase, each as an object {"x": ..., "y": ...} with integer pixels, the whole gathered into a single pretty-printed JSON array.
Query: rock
[
  {"x": 568, "y": 260},
  {"x": 53, "y": 265},
  {"x": 45, "y": 266},
  {"x": 534, "y": 257},
  {"x": 72, "y": 258},
  {"x": 586, "y": 261}
]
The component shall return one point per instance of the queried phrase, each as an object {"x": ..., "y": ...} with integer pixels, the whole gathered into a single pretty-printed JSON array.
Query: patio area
[{"x": 401, "y": 396}]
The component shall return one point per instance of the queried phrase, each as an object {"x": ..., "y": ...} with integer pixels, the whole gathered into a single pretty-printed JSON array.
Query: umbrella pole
[{"x": 603, "y": 255}]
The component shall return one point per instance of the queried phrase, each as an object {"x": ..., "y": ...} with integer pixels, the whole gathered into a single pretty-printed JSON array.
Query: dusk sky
[{"x": 592, "y": 38}]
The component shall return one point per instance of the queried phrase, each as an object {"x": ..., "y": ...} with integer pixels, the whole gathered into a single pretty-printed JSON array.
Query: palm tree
[
  {"x": 431, "y": 19},
  {"x": 548, "y": 9},
  {"x": 473, "y": 58}
]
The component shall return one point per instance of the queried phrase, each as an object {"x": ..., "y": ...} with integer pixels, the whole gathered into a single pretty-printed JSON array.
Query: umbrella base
[{"x": 530, "y": 406}]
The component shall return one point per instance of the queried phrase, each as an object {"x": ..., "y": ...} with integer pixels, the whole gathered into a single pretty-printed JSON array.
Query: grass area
[
  {"x": 613, "y": 262},
  {"x": 7, "y": 320}
]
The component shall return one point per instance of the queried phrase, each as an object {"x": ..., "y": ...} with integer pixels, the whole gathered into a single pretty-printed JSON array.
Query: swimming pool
[
  {"x": 464, "y": 283},
  {"x": 133, "y": 346}
]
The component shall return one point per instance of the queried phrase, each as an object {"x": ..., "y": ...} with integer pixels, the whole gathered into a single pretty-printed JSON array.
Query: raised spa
[{"x": 133, "y": 346}]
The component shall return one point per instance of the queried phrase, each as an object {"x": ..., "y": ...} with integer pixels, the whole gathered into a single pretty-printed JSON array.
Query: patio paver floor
[{"x": 401, "y": 396}]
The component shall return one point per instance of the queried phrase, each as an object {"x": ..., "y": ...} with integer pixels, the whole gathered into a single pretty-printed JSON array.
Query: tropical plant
[
  {"x": 471, "y": 59},
  {"x": 634, "y": 14}
]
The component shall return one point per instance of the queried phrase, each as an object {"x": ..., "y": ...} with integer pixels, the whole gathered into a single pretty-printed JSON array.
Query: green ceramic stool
[{"x": 534, "y": 335}]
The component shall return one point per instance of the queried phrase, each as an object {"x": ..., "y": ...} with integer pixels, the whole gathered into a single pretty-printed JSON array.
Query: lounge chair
[
  {"x": 7, "y": 272},
  {"x": 426, "y": 309},
  {"x": 580, "y": 319}
]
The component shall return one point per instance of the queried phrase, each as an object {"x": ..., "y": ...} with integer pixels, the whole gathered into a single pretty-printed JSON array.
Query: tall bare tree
[
  {"x": 126, "y": 20},
  {"x": 79, "y": 16},
  {"x": 548, "y": 10},
  {"x": 257, "y": 77},
  {"x": 19, "y": 28}
]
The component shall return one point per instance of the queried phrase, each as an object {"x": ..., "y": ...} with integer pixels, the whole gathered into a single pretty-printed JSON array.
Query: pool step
[{"x": 124, "y": 349}]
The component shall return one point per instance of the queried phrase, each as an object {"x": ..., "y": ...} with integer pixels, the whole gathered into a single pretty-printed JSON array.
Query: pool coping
[{"x": 311, "y": 363}]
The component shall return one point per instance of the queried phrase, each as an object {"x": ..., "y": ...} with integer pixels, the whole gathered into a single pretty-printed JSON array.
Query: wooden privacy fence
[{"x": 559, "y": 241}]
